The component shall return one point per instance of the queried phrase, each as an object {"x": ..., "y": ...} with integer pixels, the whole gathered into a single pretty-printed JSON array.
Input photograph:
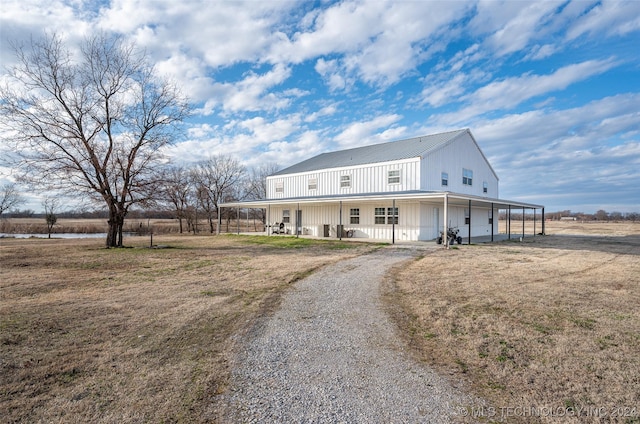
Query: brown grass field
[
  {"x": 89, "y": 334},
  {"x": 546, "y": 330}
]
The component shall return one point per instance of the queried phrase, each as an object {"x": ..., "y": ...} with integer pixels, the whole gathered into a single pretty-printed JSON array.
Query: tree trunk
[
  {"x": 114, "y": 233},
  {"x": 180, "y": 222}
]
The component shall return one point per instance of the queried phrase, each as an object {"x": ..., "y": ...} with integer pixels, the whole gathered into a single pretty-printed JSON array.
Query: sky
[{"x": 549, "y": 89}]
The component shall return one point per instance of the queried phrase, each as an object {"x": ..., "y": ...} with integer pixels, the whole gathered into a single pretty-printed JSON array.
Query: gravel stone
[{"x": 330, "y": 354}]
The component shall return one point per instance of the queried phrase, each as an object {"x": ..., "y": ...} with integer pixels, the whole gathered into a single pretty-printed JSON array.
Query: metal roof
[{"x": 383, "y": 152}]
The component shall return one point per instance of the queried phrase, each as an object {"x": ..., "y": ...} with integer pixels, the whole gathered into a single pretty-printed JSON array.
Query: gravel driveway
[{"x": 330, "y": 355}]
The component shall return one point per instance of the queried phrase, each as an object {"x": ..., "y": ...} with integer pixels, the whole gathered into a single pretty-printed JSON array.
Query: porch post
[
  {"x": 297, "y": 223},
  {"x": 238, "y": 219},
  {"x": 446, "y": 217},
  {"x": 339, "y": 230},
  {"x": 268, "y": 223},
  {"x": 534, "y": 222},
  {"x": 393, "y": 222},
  {"x": 469, "y": 222},
  {"x": 492, "y": 221},
  {"x": 509, "y": 223},
  {"x": 523, "y": 222},
  {"x": 543, "y": 233},
  {"x": 219, "y": 221}
]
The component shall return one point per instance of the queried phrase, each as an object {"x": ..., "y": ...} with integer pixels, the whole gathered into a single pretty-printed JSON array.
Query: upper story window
[
  {"x": 485, "y": 187},
  {"x": 279, "y": 187},
  {"x": 393, "y": 177},
  {"x": 313, "y": 183},
  {"x": 445, "y": 179},
  {"x": 467, "y": 176},
  {"x": 345, "y": 181}
]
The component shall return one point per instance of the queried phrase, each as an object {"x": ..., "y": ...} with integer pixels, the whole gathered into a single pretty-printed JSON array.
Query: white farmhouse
[{"x": 402, "y": 190}]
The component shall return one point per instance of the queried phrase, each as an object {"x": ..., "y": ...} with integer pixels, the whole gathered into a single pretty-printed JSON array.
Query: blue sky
[{"x": 550, "y": 90}]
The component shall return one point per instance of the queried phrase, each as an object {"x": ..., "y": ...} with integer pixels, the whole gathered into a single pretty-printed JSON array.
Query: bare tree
[
  {"x": 219, "y": 179},
  {"x": 177, "y": 191},
  {"x": 257, "y": 185},
  {"x": 257, "y": 181},
  {"x": 50, "y": 205},
  {"x": 9, "y": 197},
  {"x": 94, "y": 124}
]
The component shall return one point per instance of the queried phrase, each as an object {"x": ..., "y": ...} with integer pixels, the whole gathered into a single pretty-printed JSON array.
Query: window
[
  {"x": 345, "y": 181},
  {"x": 392, "y": 216},
  {"x": 485, "y": 187},
  {"x": 355, "y": 216},
  {"x": 386, "y": 215},
  {"x": 490, "y": 216},
  {"x": 286, "y": 216},
  {"x": 445, "y": 179},
  {"x": 313, "y": 183},
  {"x": 467, "y": 219},
  {"x": 393, "y": 177},
  {"x": 467, "y": 177},
  {"x": 380, "y": 216},
  {"x": 279, "y": 187}
]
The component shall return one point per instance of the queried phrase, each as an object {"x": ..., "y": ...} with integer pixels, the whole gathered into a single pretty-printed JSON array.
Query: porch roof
[{"x": 454, "y": 199}]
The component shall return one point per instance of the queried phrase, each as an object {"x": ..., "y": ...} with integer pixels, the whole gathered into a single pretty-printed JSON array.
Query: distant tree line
[
  {"x": 600, "y": 215},
  {"x": 190, "y": 194}
]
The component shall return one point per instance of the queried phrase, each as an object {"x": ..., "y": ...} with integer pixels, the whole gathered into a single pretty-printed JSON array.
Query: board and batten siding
[
  {"x": 369, "y": 178},
  {"x": 452, "y": 158},
  {"x": 416, "y": 220}
]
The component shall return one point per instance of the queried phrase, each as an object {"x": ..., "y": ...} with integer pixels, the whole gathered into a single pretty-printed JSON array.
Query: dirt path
[{"x": 330, "y": 354}]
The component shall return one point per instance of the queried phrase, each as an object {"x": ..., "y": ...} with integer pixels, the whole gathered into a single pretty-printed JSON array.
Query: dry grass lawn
[
  {"x": 547, "y": 327},
  {"x": 135, "y": 334}
]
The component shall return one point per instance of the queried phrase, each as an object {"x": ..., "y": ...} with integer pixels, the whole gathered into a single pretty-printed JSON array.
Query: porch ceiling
[{"x": 454, "y": 199}]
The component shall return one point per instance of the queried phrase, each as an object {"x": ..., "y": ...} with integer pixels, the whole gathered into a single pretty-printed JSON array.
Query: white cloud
[
  {"x": 325, "y": 111},
  {"x": 510, "y": 92},
  {"x": 377, "y": 42},
  {"x": 252, "y": 92},
  {"x": 362, "y": 133},
  {"x": 608, "y": 17},
  {"x": 517, "y": 32}
]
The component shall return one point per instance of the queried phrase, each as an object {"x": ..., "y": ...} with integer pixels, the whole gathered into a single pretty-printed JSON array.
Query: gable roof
[{"x": 382, "y": 152}]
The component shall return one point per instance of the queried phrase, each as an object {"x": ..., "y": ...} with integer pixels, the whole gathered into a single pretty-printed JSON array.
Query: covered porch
[{"x": 395, "y": 216}]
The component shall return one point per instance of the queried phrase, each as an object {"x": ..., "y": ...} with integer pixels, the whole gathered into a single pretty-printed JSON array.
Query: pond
[{"x": 61, "y": 235}]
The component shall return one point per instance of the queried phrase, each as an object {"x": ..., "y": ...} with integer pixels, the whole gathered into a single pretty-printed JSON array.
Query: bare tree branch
[{"x": 93, "y": 125}]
